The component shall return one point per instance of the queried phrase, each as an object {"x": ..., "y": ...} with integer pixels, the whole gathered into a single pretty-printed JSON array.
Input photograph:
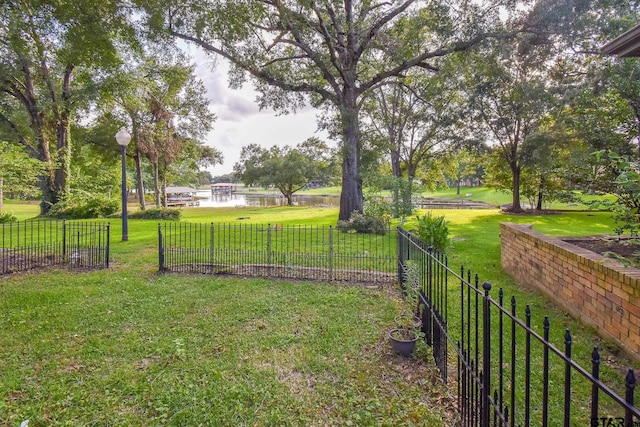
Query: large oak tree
[
  {"x": 49, "y": 53},
  {"x": 334, "y": 52}
]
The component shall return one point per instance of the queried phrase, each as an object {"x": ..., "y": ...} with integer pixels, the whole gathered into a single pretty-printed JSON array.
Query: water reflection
[{"x": 218, "y": 200}]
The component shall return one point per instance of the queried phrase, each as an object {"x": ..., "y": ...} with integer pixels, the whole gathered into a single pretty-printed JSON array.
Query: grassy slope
[{"x": 480, "y": 194}]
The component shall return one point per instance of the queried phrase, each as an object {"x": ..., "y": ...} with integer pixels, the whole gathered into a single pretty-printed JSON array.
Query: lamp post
[{"x": 123, "y": 138}]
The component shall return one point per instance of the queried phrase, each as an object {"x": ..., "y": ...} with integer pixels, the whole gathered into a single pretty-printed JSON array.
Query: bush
[
  {"x": 7, "y": 217},
  {"x": 626, "y": 188},
  {"x": 158, "y": 214},
  {"x": 359, "y": 223},
  {"x": 378, "y": 207},
  {"x": 434, "y": 232},
  {"x": 84, "y": 206}
]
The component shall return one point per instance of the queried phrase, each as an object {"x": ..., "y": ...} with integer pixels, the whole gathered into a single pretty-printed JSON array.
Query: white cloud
[{"x": 239, "y": 120}]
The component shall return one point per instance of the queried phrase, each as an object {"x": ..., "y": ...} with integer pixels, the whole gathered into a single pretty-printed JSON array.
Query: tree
[
  {"x": 624, "y": 79},
  {"x": 46, "y": 52},
  {"x": 288, "y": 169},
  {"x": 187, "y": 168},
  {"x": 163, "y": 102},
  {"x": 18, "y": 171},
  {"x": 462, "y": 164},
  {"x": 413, "y": 118},
  {"x": 511, "y": 91},
  {"x": 331, "y": 51}
]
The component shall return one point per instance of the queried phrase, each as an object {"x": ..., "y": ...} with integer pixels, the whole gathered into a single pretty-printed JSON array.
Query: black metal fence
[
  {"x": 506, "y": 372},
  {"x": 27, "y": 245},
  {"x": 281, "y": 251}
]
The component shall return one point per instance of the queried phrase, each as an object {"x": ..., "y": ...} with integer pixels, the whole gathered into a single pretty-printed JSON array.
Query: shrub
[
  {"x": 434, "y": 232},
  {"x": 626, "y": 188},
  {"x": 360, "y": 223},
  {"x": 158, "y": 214},
  {"x": 7, "y": 217},
  {"x": 378, "y": 207},
  {"x": 83, "y": 206}
]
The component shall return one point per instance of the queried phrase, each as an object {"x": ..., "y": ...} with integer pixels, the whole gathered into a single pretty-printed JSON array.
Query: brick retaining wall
[{"x": 600, "y": 292}]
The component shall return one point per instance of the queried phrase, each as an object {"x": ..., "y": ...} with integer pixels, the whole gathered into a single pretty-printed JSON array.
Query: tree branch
[
  {"x": 415, "y": 61},
  {"x": 373, "y": 30},
  {"x": 255, "y": 71},
  {"x": 21, "y": 139}
]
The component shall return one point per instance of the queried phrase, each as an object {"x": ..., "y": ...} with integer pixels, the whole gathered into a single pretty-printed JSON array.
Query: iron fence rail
[
  {"x": 26, "y": 245},
  {"x": 507, "y": 373},
  {"x": 282, "y": 251}
]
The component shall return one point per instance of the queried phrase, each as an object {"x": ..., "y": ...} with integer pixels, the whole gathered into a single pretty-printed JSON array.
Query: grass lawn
[
  {"x": 480, "y": 194},
  {"x": 129, "y": 347},
  {"x": 123, "y": 347},
  {"x": 20, "y": 209}
]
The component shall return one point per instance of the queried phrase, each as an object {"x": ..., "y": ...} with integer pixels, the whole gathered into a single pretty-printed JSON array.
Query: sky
[{"x": 239, "y": 120}]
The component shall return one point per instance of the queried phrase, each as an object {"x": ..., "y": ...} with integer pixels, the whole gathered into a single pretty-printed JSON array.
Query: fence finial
[
  {"x": 487, "y": 287},
  {"x": 630, "y": 380}
]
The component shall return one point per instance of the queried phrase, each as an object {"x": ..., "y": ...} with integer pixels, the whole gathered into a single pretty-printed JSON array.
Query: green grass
[
  {"x": 479, "y": 194},
  {"x": 20, "y": 209},
  {"x": 129, "y": 347},
  {"x": 123, "y": 348}
]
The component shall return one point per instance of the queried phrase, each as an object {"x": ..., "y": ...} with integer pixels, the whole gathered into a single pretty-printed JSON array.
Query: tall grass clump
[
  {"x": 434, "y": 231},
  {"x": 7, "y": 217},
  {"x": 361, "y": 223},
  {"x": 166, "y": 214}
]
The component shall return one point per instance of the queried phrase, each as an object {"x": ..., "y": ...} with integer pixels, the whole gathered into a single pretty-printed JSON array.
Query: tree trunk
[
  {"x": 63, "y": 143},
  {"x": 62, "y": 172},
  {"x": 351, "y": 196},
  {"x": 47, "y": 180},
  {"x": 407, "y": 198},
  {"x": 515, "y": 205},
  {"x": 137, "y": 158},
  {"x": 395, "y": 163},
  {"x": 540, "y": 194},
  {"x": 156, "y": 185},
  {"x": 163, "y": 178},
  {"x": 139, "y": 183}
]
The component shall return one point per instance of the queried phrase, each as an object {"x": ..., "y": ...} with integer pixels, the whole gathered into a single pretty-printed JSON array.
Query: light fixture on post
[{"x": 123, "y": 137}]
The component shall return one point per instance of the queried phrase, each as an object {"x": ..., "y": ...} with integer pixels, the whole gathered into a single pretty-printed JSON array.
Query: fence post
[
  {"x": 546, "y": 325},
  {"x": 630, "y": 385},
  {"x": 331, "y": 252},
  {"x": 108, "y": 243},
  {"x": 567, "y": 379},
  {"x": 486, "y": 355},
  {"x": 211, "y": 247},
  {"x": 64, "y": 239},
  {"x": 268, "y": 244},
  {"x": 399, "y": 252},
  {"x": 160, "y": 249},
  {"x": 595, "y": 373}
]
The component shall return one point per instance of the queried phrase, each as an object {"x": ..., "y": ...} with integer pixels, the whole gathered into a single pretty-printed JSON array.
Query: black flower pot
[{"x": 403, "y": 341}]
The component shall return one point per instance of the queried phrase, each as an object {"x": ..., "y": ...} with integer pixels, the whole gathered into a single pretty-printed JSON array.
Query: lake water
[{"x": 218, "y": 200}]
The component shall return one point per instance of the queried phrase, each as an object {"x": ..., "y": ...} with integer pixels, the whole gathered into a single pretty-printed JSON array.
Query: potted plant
[
  {"x": 408, "y": 323},
  {"x": 404, "y": 337}
]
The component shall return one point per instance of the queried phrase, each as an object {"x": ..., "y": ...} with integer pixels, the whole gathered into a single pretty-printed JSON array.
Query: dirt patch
[
  {"x": 13, "y": 261},
  {"x": 625, "y": 250}
]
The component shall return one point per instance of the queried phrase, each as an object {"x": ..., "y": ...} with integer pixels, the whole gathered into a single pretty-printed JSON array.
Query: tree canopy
[
  {"x": 335, "y": 53},
  {"x": 49, "y": 54},
  {"x": 285, "y": 168}
]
